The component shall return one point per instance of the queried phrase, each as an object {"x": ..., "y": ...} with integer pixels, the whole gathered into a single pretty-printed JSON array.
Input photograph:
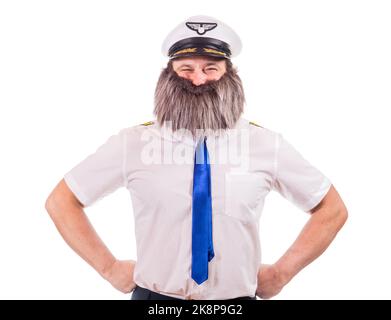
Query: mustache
[
  {"x": 214, "y": 105},
  {"x": 188, "y": 86}
]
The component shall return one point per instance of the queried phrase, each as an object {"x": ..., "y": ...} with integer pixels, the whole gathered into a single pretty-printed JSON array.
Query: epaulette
[
  {"x": 254, "y": 124},
  {"x": 147, "y": 123}
]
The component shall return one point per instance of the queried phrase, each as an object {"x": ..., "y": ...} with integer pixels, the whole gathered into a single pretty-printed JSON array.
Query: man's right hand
[{"x": 120, "y": 275}]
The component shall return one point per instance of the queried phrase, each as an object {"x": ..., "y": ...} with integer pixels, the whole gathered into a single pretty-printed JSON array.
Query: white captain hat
[{"x": 202, "y": 35}]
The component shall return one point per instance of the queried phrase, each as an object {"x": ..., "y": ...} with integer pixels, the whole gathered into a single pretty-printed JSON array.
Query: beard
[{"x": 212, "y": 107}]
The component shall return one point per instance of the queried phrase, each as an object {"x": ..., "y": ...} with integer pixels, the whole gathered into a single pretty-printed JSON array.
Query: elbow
[
  {"x": 61, "y": 200},
  {"x": 54, "y": 203},
  {"x": 341, "y": 217},
  {"x": 331, "y": 211},
  {"x": 50, "y": 206}
]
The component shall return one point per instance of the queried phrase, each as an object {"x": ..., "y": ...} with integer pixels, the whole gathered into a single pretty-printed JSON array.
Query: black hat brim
[{"x": 199, "y": 46}]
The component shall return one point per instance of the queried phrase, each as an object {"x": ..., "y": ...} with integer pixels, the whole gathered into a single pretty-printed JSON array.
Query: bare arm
[
  {"x": 71, "y": 221},
  {"x": 326, "y": 220}
]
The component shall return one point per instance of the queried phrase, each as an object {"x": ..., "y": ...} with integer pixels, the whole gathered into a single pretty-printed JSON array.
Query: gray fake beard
[{"x": 212, "y": 107}]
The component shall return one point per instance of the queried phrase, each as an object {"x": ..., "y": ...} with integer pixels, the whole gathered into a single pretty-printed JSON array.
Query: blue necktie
[{"x": 202, "y": 245}]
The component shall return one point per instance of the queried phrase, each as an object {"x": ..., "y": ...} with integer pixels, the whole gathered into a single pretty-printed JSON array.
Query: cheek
[
  {"x": 182, "y": 74},
  {"x": 217, "y": 76}
]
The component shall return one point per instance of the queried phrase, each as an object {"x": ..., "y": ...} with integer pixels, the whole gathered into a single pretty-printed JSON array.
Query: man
[{"x": 198, "y": 177}]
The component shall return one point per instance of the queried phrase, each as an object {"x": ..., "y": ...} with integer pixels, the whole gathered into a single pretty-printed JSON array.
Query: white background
[{"x": 72, "y": 73}]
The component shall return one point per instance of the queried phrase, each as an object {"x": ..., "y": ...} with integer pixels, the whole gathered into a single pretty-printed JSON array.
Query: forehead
[{"x": 197, "y": 61}]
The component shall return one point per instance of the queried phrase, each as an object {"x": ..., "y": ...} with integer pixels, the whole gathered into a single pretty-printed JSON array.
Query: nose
[{"x": 198, "y": 77}]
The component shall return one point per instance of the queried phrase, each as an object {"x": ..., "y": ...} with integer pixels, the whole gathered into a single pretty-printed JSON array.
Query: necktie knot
[{"x": 201, "y": 154}]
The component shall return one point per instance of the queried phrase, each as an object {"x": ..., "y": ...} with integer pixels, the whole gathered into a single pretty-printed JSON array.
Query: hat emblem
[{"x": 201, "y": 27}]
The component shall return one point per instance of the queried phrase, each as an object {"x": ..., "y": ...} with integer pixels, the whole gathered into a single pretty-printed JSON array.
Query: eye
[{"x": 211, "y": 69}]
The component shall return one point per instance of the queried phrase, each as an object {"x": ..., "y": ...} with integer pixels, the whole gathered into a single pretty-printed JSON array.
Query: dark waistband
[{"x": 140, "y": 293}]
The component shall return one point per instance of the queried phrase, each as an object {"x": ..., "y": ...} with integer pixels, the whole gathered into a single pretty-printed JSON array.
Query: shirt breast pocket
[{"x": 244, "y": 195}]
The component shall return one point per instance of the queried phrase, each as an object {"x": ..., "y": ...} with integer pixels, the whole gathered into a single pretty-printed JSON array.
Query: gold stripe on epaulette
[
  {"x": 254, "y": 124},
  {"x": 147, "y": 123}
]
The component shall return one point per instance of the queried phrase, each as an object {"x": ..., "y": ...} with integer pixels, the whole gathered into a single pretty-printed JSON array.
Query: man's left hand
[{"x": 270, "y": 281}]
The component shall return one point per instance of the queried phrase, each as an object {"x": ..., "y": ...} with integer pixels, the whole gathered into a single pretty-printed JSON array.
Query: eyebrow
[
  {"x": 190, "y": 66},
  {"x": 185, "y": 66},
  {"x": 211, "y": 64}
]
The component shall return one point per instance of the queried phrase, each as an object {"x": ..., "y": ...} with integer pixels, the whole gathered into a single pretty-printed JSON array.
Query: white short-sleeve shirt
[{"x": 156, "y": 166}]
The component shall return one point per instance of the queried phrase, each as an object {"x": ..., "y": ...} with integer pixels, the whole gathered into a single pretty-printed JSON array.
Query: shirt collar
[{"x": 166, "y": 132}]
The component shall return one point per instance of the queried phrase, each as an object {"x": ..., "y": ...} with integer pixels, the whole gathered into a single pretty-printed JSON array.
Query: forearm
[
  {"x": 77, "y": 231},
  {"x": 313, "y": 240}
]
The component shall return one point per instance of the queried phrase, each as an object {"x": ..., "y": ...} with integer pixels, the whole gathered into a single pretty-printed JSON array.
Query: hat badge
[{"x": 201, "y": 27}]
